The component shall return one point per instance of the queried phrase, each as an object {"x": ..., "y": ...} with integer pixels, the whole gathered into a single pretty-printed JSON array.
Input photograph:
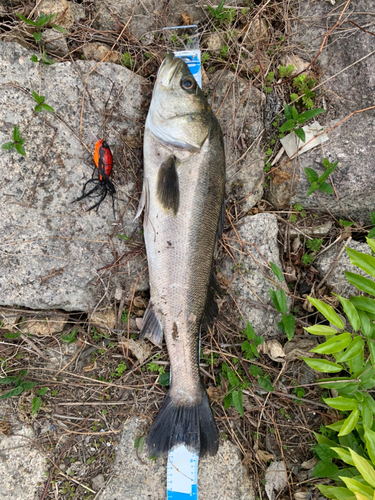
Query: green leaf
[
  {"x": 36, "y": 97},
  {"x": 23, "y": 18},
  {"x": 314, "y": 186},
  {"x": 360, "y": 282},
  {"x": 277, "y": 271},
  {"x": 43, "y": 19},
  {"x": 34, "y": 58},
  {"x": 362, "y": 260},
  {"x": 370, "y": 242},
  {"x": 364, "y": 468},
  {"x": 342, "y": 404},
  {"x": 288, "y": 112},
  {"x": 325, "y": 452},
  {"x": 357, "y": 487},
  {"x": 8, "y": 380},
  {"x": 300, "y": 133},
  {"x": 371, "y": 233},
  {"x": 334, "y": 344},
  {"x": 48, "y": 108},
  {"x": 237, "y": 401},
  {"x": 274, "y": 300},
  {"x": 322, "y": 365},
  {"x": 164, "y": 378},
  {"x": 20, "y": 149},
  {"x": 35, "y": 404},
  {"x": 37, "y": 36},
  {"x": 365, "y": 322},
  {"x": 233, "y": 379},
  {"x": 281, "y": 299},
  {"x": 12, "y": 335},
  {"x": 371, "y": 348},
  {"x": 311, "y": 174},
  {"x": 370, "y": 442},
  {"x": 338, "y": 493},
  {"x": 16, "y": 134},
  {"x": 265, "y": 384},
  {"x": 322, "y": 469},
  {"x": 327, "y": 312},
  {"x": 58, "y": 28},
  {"x": 307, "y": 115},
  {"x": 350, "y": 423},
  {"x": 255, "y": 371},
  {"x": 326, "y": 188},
  {"x": 249, "y": 331},
  {"x": 42, "y": 391},
  {"x": 321, "y": 330},
  {"x": 328, "y": 171},
  {"x": 350, "y": 311},
  {"x": 336, "y": 426},
  {"x": 344, "y": 454},
  {"x": 8, "y": 145},
  {"x": 289, "y": 325},
  {"x": 355, "y": 348},
  {"x": 356, "y": 363},
  {"x": 364, "y": 303},
  {"x": 346, "y": 223},
  {"x": 27, "y": 385},
  {"x": 38, "y": 108},
  {"x": 123, "y": 237},
  {"x": 366, "y": 414},
  {"x": 288, "y": 125},
  {"x": 14, "y": 392}
]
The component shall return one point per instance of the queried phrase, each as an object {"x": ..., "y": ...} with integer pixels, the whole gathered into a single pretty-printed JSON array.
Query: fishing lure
[{"x": 102, "y": 185}]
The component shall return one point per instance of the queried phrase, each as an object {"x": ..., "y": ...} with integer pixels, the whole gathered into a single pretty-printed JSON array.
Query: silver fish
[{"x": 183, "y": 200}]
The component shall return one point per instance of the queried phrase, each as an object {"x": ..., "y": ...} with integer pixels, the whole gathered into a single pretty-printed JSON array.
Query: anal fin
[
  {"x": 151, "y": 329},
  {"x": 211, "y": 309}
]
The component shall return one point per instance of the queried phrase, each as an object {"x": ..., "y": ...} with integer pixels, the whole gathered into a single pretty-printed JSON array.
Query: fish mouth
[{"x": 168, "y": 70}]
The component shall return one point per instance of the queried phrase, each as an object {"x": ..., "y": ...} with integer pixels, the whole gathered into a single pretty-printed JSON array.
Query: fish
[{"x": 184, "y": 208}]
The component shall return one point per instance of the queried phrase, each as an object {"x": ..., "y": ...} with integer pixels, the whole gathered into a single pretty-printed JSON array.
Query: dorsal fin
[{"x": 167, "y": 188}]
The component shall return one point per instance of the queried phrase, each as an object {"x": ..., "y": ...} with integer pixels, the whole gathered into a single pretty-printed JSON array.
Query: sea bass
[{"x": 183, "y": 200}]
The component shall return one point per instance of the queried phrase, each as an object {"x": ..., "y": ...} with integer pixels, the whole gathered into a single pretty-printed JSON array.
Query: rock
[
  {"x": 98, "y": 482},
  {"x": 66, "y": 12},
  {"x": 214, "y": 42},
  {"x": 294, "y": 60},
  {"x": 54, "y": 255},
  {"x": 22, "y": 466},
  {"x": 143, "y": 17},
  {"x": 8, "y": 319},
  {"x": 44, "y": 328},
  {"x": 336, "y": 278},
  {"x": 139, "y": 348},
  {"x": 256, "y": 33},
  {"x": 56, "y": 42},
  {"x": 137, "y": 480},
  {"x": 104, "y": 321},
  {"x": 247, "y": 271},
  {"x": 96, "y": 51},
  {"x": 237, "y": 105},
  {"x": 352, "y": 143}
]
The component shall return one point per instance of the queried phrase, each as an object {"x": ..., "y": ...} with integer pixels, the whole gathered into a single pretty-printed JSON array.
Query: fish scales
[{"x": 183, "y": 193}]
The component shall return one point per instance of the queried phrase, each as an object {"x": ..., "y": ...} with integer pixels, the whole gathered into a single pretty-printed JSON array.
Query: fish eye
[{"x": 187, "y": 84}]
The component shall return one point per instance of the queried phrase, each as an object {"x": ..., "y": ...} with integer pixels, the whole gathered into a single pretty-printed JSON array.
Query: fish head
[{"x": 179, "y": 114}]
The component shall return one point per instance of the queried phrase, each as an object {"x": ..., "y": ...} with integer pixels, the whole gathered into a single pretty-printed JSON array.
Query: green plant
[
  {"x": 294, "y": 120},
  {"x": 234, "y": 396},
  {"x": 40, "y": 103},
  {"x": 287, "y": 323},
  {"x": 286, "y": 71},
  {"x": 42, "y": 21},
  {"x": 319, "y": 182},
  {"x": 305, "y": 94},
  {"x": 220, "y": 14},
  {"x": 371, "y": 233},
  {"x": 314, "y": 244},
  {"x": 69, "y": 339},
  {"x": 307, "y": 259},
  {"x": 139, "y": 442},
  {"x": 249, "y": 347},
  {"x": 224, "y": 52},
  {"x": 124, "y": 316},
  {"x": 263, "y": 380},
  {"x": 43, "y": 59},
  {"x": 127, "y": 60},
  {"x": 345, "y": 223},
  {"x": 121, "y": 367},
  {"x": 19, "y": 383},
  {"x": 17, "y": 142},
  {"x": 205, "y": 57}
]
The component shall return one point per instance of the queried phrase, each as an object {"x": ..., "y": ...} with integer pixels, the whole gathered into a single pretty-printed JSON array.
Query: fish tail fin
[{"x": 193, "y": 426}]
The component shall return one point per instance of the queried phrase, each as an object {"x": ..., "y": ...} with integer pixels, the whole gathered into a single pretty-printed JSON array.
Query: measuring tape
[{"x": 182, "y": 474}]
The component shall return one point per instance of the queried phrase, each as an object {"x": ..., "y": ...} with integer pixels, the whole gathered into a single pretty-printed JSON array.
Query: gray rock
[
  {"x": 55, "y": 41},
  {"x": 336, "y": 278},
  {"x": 352, "y": 143},
  {"x": 144, "y": 17},
  {"x": 22, "y": 466},
  {"x": 220, "y": 477},
  {"x": 51, "y": 250},
  {"x": 249, "y": 273},
  {"x": 98, "y": 482},
  {"x": 238, "y": 107}
]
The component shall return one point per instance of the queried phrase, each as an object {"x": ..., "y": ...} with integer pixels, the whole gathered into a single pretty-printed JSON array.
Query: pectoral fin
[
  {"x": 143, "y": 202},
  {"x": 167, "y": 188}
]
